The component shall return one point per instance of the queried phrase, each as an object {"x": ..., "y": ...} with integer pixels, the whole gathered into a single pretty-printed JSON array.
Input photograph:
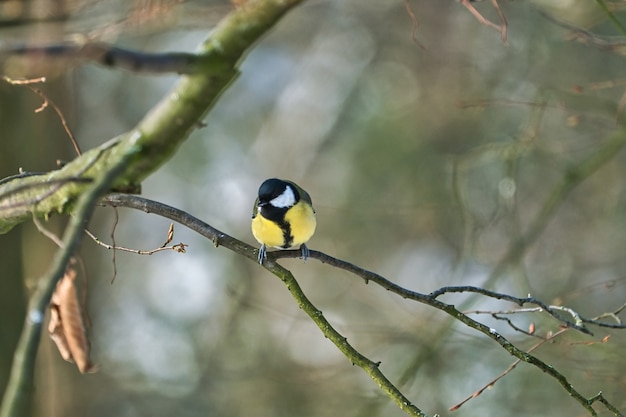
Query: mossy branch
[{"x": 157, "y": 137}]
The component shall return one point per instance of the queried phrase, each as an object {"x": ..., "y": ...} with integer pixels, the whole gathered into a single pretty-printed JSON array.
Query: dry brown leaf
[
  {"x": 67, "y": 326},
  {"x": 56, "y": 333}
]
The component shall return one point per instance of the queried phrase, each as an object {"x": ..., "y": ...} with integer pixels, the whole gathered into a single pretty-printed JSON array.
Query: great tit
[{"x": 282, "y": 217}]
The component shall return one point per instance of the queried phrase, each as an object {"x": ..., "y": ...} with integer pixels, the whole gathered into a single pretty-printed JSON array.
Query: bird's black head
[{"x": 278, "y": 193}]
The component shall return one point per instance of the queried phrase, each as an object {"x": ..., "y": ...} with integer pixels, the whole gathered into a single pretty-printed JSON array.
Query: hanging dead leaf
[
  {"x": 67, "y": 326},
  {"x": 55, "y": 329}
]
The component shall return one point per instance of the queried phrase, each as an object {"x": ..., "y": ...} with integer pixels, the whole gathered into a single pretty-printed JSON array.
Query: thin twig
[
  {"x": 502, "y": 27},
  {"x": 579, "y": 323},
  {"x": 47, "y": 101},
  {"x": 47, "y": 233},
  {"x": 414, "y": 22},
  {"x": 506, "y": 371},
  {"x": 514, "y": 327},
  {"x": 516, "y": 311},
  {"x": 612, "y": 314},
  {"x": 179, "y": 247},
  {"x": 116, "y": 220}
]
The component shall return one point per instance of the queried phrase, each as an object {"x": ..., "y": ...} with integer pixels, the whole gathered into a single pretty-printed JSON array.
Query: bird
[{"x": 282, "y": 217}]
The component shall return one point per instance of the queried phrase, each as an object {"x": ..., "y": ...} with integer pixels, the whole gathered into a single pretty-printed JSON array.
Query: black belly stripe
[{"x": 288, "y": 238}]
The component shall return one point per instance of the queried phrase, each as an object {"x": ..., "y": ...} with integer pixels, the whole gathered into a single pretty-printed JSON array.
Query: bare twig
[
  {"x": 47, "y": 101},
  {"x": 179, "y": 247},
  {"x": 491, "y": 383},
  {"x": 47, "y": 233},
  {"x": 502, "y": 27},
  {"x": 514, "y": 327},
  {"x": 613, "y": 315},
  {"x": 24, "y": 81},
  {"x": 515, "y": 311},
  {"x": 414, "y": 22},
  {"x": 579, "y": 321}
]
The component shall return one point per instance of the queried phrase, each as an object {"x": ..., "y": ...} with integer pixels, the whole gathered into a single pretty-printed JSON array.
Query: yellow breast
[
  {"x": 301, "y": 218},
  {"x": 267, "y": 232},
  {"x": 301, "y": 221}
]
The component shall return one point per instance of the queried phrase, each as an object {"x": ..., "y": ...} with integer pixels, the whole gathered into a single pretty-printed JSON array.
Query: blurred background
[{"x": 426, "y": 159}]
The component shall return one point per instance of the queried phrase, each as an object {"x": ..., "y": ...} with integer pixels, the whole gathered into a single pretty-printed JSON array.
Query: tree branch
[
  {"x": 155, "y": 139},
  {"x": 112, "y": 56},
  {"x": 222, "y": 239},
  {"x": 17, "y": 397},
  {"x": 371, "y": 368}
]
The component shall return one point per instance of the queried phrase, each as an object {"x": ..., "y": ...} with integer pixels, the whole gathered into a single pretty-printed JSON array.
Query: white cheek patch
[{"x": 286, "y": 199}]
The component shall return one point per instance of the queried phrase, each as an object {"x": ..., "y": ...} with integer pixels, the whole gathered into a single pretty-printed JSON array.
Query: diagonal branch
[
  {"x": 221, "y": 239},
  {"x": 455, "y": 313},
  {"x": 17, "y": 397},
  {"x": 157, "y": 137}
]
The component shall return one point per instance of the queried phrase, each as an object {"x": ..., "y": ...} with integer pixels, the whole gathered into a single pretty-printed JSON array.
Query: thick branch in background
[
  {"x": 155, "y": 139},
  {"x": 111, "y": 56}
]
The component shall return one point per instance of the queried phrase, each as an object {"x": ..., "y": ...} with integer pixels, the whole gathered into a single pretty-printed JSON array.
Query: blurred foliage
[{"x": 425, "y": 165}]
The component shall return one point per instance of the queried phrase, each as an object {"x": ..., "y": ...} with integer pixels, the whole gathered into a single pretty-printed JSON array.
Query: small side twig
[
  {"x": 414, "y": 22},
  {"x": 502, "y": 27},
  {"x": 179, "y": 247},
  {"x": 47, "y": 101},
  {"x": 579, "y": 321},
  {"x": 47, "y": 233},
  {"x": 508, "y": 321},
  {"x": 508, "y": 370}
]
